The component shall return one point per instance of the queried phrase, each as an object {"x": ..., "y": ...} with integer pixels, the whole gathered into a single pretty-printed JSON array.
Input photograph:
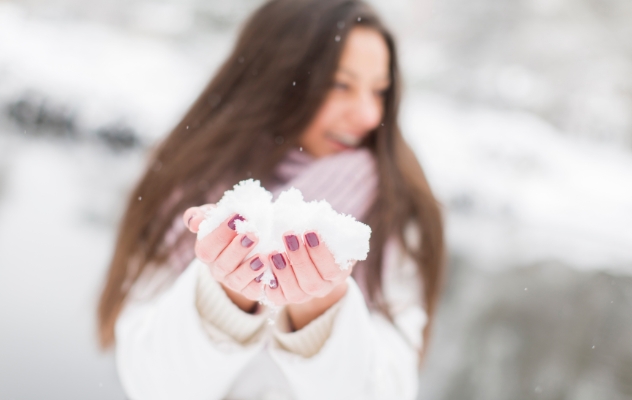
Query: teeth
[{"x": 347, "y": 140}]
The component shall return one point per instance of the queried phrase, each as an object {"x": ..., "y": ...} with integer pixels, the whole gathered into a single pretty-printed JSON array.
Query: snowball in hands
[{"x": 346, "y": 238}]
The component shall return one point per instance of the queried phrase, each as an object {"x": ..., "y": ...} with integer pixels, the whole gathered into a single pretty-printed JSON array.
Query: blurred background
[{"x": 520, "y": 112}]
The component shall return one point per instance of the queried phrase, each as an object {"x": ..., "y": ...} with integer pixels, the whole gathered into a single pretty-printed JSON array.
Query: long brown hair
[{"x": 245, "y": 121}]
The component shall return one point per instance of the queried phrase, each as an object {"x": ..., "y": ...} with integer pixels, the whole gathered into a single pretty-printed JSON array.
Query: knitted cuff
[
  {"x": 222, "y": 318},
  {"x": 310, "y": 339}
]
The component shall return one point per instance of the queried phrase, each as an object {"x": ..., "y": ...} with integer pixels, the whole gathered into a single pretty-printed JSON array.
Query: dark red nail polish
[
  {"x": 256, "y": 265},
  {"x": 231, "y": 223},
  {"x": 246, "y": 242},
  {"x": 274, "y": 284},
  {"x": 292, "y": 242},
  {"x": 258, "y": 279},
  {"x": 312, "y": 239},
  {"x": 278, "y": 261}
]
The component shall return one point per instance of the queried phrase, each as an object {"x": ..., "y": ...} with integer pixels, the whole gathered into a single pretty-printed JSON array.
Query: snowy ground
[{"x": 516, "y": 190}]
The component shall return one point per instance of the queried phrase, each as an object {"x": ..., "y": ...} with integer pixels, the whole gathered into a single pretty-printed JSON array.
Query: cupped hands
[{"x": 306, "y": 277}]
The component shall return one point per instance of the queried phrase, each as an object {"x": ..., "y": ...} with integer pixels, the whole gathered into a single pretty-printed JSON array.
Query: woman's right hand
[{"x": 224, "y": 252}]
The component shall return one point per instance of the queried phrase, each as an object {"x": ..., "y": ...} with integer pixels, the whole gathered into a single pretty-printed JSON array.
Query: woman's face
[{"x": 355, "y": 103}]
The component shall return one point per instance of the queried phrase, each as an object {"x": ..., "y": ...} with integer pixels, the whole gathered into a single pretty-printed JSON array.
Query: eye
[
  {"x": 381, "y": 92},
  {"x": 341, "y": 86}
]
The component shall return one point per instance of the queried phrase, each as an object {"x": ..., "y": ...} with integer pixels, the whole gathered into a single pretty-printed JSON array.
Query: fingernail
[
  {"x": 231, "y": 223},
  {"x": 246, "y": 242},
  {"x": 274, "y": 284},
  {"x": 258, "y": 279},
  {"x": 278, "y": 261},
  {"x": 256, "y": 265},
  {"x": 189, "y": 221},
  {"x": 312, "y": 239},
  {"x": 292, "y": 242}
]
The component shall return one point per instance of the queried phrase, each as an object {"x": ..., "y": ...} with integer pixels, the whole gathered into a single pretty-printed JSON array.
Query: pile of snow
[{"x": 345, "y": 237}]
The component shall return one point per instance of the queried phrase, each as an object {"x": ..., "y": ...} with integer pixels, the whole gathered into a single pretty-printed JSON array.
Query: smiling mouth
[{"x": 345, "y": 140}]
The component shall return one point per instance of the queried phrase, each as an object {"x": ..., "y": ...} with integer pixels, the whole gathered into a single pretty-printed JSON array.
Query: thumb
[{"x": 193, "y": 216}]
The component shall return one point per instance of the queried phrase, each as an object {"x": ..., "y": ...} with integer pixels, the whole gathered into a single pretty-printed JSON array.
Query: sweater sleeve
[
  {"x": 364, "y": 357},
  {"x": 222, "y": 320},
  {"x": 164, "y": 352},
  {"x": 308, "y": 340}
]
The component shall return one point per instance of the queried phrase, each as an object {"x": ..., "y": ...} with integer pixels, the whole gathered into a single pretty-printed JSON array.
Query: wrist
[
  {"x": 302, "y": 314},
  {"x": 243, "y": 303}
]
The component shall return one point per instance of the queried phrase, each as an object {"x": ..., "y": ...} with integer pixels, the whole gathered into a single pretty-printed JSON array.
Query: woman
[{"x": 308, "y": 98}]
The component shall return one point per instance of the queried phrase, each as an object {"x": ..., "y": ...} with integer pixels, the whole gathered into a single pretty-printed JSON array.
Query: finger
[
  {"x": 322, "y": 257},
  {"x": 287, "y": 279},
  {"x": 210, "y": 246},
  {"x": 217, "y": 274},
  {"x": 254, "y": 290},
  {"x": 233, "y": 255},
  {"x": 245, "y": 273},
  {"x": 345, "y": 273},
  {"x": 193, "y": 216},
  {"x": 308, "y": 277},
  {"x": 189, "y": 215},
  {"x": 275, "y": 294}
]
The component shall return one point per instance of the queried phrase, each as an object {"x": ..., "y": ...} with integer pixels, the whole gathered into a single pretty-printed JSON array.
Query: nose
[{"x": 367, "y": 111}]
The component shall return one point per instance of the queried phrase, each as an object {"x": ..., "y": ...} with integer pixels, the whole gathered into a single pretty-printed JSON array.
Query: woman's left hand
[{"x": 308, "y": 279}]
